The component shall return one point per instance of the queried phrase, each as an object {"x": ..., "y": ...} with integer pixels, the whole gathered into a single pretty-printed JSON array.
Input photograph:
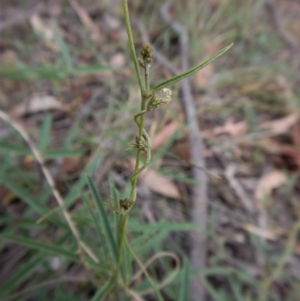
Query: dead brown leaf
[
  {"x": 36, "y": 104},
  {"x": 268, "y": 183},
  {"x": 282, "y": 125},
  {"x": 202, "y": 77},
  {"x": 252, "y": 87},
  {"x": 296, "y": 135},
  {"x": 71, "y": 165},
  {"x": 263, "y": 233},
  {"x": 165, "y": 134},
  {"x": 117, "y": 60},
  {"x": 234, "y": 129},
  {"x": 44, "y": 31},
  {"x": 157, "y": 182},
  {"x": 270, "y": 146}
]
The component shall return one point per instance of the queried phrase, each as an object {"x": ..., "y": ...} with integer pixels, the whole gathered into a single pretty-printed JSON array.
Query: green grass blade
[
  {"x": 23, "y": 273},
  {"x": 24, "y": 195},
  {"x": 5, "y": 147},
  {"x": 24, "y": 72},
  {"x": 71, "y": 135},
  {"x": 47, "y": 248},
  {"x": 183, "y": 295},
  {"x": 108, "y": 232},
  {"x": 87, "y": 70},
  {"x": 103, "y": 291},
  {"x": 92, "y": 214},
  {"x": 216, "y": 294},
  {"x": 45, "y": 133},
  {"x": 64, "y": 48},
  {"x": 62, "y": 153},
  {"x": 191, "y": 71}
]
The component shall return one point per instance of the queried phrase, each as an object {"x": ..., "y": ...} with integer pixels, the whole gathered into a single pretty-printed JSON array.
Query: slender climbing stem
[
  {"x": 148, "y": 149},
  {"x": 142, "y": 131}
]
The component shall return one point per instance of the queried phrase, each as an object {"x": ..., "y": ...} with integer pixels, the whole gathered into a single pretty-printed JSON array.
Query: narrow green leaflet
[
  {"x": 45, "y": 133},
  {"x": 108, "y": 232},
  {"x": 103, "y": 291},
  {"x": 64, "y": 48},
  {"x": 71, "y": 135},
  {"x": 184, "y": 281},
  {"x": 4, "y": 146},
  {"x": 191, "y": 71},
  {"x": 25, "y": 195},
  {"x": 24, "y": 272},
  {"x": 24, "y": 72},
  {"x": 87, "y": 70},
  {"x": 47, "y": 248},
  {"x": 92, "y": 214}
]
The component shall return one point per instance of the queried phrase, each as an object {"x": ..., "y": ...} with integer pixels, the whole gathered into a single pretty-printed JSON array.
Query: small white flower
[{"x": 167, "y": 94}]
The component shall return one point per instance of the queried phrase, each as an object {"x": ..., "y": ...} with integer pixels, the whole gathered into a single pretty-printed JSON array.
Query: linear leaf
[
  {"x": 92, "y": 214},
  {"x": 48, "y": 248},
  {"x": 24, "y": 195},
  {"x": 107, "y": 229},
  {"x": 45, "y": 133},
  {"x": 86, "y": 70},
  {"x": 62, "y": 153},
  {"x": 71, "y": 135},
  {"x": 190, "y": 71},
  {"x": 103, "y": 291},
  {"x": 64, "y": 48},
  {"x": 24, "y": 72},
  {"x": 23, "y": 273},
  {"x": 14, "y": 148},
  {"x": 183, "y": 295}
]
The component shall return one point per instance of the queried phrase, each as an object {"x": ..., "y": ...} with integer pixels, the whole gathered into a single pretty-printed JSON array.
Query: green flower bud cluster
[
  {"x": 146, "y": 53},
  {"x": 140, "y": 143},
  {"x": 126, "y": 203}
]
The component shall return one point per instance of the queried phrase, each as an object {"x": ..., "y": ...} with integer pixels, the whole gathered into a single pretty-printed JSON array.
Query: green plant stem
[
  {"x": 148, "y": 151},
  {"x": 122, "y": 231},
  {"x": 131, "y": 45},
  {"x": 137, "y": 169},
  {"x": 145, "y": 91}
]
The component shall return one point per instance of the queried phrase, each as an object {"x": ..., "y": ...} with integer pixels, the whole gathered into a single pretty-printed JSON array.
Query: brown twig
[
  {"x": 199, "y": 191},
  {"x": 48, "y": 176}
]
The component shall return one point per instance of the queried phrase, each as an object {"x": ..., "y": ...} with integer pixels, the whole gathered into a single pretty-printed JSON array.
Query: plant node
[
  {"x": 140, "y": 143},
  {"x": 126, "y": 203}
]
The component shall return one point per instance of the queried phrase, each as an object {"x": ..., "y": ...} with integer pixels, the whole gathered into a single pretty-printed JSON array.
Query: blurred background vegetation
[{"x": 66, "y": 77}]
